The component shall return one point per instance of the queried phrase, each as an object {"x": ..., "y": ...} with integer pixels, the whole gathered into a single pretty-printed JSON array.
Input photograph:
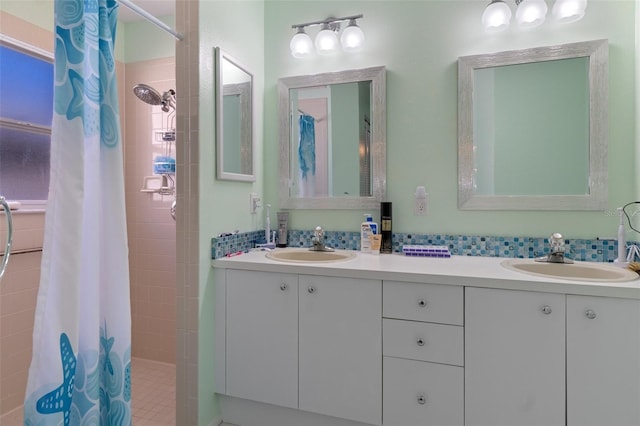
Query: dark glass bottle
[{"x": 386, "y": 245}]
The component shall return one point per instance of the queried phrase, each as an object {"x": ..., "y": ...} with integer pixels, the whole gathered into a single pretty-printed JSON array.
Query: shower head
[
  {"x": 147, "y": 94},
  {"x": 151, "y": 96}
]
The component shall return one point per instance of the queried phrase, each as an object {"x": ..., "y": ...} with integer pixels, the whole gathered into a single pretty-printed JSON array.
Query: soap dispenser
[{"x": 367, "y": 228}]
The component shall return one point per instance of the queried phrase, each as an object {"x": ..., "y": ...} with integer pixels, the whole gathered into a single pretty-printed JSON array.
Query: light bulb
[
  {"x": 301, "y": 45},
  {"x": 352, "y": 37},
  {"x": 496, "y": 16},
  {"x": 531, "y": 13},
  {"x": 569, "y": 10},
  {"x": 326, "y": 40}
]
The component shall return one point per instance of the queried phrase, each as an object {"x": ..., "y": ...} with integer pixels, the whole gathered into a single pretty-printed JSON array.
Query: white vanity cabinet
[
  {"x": 307, "y": 342},
  {"x": 603, "y": 361},
  {"x": 262, "y": 337},
  {"x": 423, "y": 341},
  {"x": 514, "y": 358},
  {"x": 474, "y": 347},
  {"x": 340, "y": 347},
  {"x": 517, "y": 370}
]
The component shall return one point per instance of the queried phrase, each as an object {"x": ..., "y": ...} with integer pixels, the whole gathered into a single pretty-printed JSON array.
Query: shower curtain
[
  {"x": 80, "y": 369},
  {"x": 307, "y": 155}
]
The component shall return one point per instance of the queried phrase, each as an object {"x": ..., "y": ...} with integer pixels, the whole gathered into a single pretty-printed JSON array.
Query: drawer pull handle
[
  {"x": 422, "y": 399},
  {"x": 591, "y": 314},
  {"x": 422, "y": 303},
  {"x": 420, "y": 342},
  {"x": 311, "y": 289},
  {"x": 283, "y": 286},
  {"x": 546, "y": 309}
]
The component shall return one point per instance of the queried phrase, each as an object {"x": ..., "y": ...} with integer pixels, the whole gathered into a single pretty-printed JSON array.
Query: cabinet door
[
  {"x": 341, "y": 347},
  {"x": 514, "y": 358},
  {"x": 418, "y": 393},
  {"x": 603, "y": 361},
  {"x": 262, "y": 337}
]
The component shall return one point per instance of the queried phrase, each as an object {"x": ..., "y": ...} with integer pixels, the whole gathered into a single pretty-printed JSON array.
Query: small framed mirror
[
  {"x": 234, "y": 119},
  {"x": 333, "y": 140},
  {"x": 533, "y": 128}
]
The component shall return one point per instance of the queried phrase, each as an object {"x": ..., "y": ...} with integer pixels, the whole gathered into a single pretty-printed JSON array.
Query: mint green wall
[
  {"x": 637, "y": 138},
  {"x": 237, "y": 27},
  {"x": 419, "y": 43},
  {"x": 145, "y": 41}
]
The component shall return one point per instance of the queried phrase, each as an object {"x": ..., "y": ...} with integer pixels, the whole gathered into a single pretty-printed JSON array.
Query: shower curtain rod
[{"x": 149, "y": 17}]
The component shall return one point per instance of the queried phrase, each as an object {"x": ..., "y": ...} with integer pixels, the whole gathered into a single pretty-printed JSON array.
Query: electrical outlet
[
  {"x": 420, "y": 202},
  {"x": 420, "y": 208},
  {"x": 253, "y": 202}
]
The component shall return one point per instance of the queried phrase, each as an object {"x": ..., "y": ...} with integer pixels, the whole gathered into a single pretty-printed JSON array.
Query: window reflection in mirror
[
  {"x": 330, "y": 140},
  {"x": 234, "y": 122}
]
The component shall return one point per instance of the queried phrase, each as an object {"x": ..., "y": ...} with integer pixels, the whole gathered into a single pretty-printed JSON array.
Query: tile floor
[
  {"x": 153, "y": 385},
  {"x": 154, "y": 395}
]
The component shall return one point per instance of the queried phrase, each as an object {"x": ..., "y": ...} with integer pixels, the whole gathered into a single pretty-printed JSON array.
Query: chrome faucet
[
  {"x": 318, "y": 241},
  {"x": 556, "y": 254}
]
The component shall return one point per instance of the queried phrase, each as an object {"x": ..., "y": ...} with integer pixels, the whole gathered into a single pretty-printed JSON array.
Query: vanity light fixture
[
  {"x": 530, "y": 13},
  {"x": 569, "y": 10},
  {"x": 352, "y": 37},
  {"x": 496, "y": 16},
  {"x": 326, "y": 41},
  {"x": 301, "y": 45}
]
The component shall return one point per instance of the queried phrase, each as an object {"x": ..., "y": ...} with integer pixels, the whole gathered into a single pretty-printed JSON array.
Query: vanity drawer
[
  {"x": 417, "y": 393},
  {"x": 423, "y": 302},
  {"x": 423, "y": 341}
]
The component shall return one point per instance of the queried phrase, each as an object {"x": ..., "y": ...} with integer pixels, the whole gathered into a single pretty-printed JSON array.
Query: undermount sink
[
  {"x": 306, "y": 255},
  {"x": 581, "y": 271}
]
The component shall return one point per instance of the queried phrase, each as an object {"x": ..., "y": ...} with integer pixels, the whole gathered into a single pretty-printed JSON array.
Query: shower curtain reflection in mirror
[{"x": 313, "y": 148}]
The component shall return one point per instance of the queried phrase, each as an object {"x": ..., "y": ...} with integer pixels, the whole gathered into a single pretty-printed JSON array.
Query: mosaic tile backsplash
[{"x": 591, "y": 250}]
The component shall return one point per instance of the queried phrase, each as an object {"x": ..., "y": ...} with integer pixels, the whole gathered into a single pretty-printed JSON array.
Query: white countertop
[{"x": 458, "y": 270}]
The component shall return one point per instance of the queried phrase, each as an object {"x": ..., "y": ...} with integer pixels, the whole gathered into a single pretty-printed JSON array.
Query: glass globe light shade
[
  {"x": 496, "y": 16},
  {"x": 569, "y": 10},
  {"x": 326, "y": 41},
  {"x": 301, "y": 45},
  {"x": 531, "y": 13},
  {"x": 352, "y": 37}
]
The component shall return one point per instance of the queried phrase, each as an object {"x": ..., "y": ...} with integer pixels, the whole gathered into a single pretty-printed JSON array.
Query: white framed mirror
[
  {"x": 533, "y": 128},
  {"x": 234, "y": 119},
  {"x": 333, "y": 140}
]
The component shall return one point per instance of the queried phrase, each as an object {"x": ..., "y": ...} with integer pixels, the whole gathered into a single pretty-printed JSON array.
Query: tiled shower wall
[
  {"x": 151, "y": 229},
  {"x": 18, "y": 293}
]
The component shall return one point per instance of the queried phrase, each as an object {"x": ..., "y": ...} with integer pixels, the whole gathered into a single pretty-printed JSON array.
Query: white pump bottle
[{"x": 622, "y": 241}]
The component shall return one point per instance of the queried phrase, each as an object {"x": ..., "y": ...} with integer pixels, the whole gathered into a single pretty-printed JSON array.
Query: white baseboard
[{"x": 242, "y": 412}]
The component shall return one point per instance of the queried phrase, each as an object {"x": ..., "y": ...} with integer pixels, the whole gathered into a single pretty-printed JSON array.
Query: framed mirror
[
  {"x": 533, "y": 128},
  {"x": 234, "y": 120},
  {"x": 333, "y": 140}
]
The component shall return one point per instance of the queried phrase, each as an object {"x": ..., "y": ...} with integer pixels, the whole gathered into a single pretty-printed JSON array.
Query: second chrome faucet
[{"x": 557, "y": 250}]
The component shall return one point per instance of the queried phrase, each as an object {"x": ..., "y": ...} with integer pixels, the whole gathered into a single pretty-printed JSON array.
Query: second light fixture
[
  {"x": 326, "y": 41},
  {"x": 530, "y": 13}
]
